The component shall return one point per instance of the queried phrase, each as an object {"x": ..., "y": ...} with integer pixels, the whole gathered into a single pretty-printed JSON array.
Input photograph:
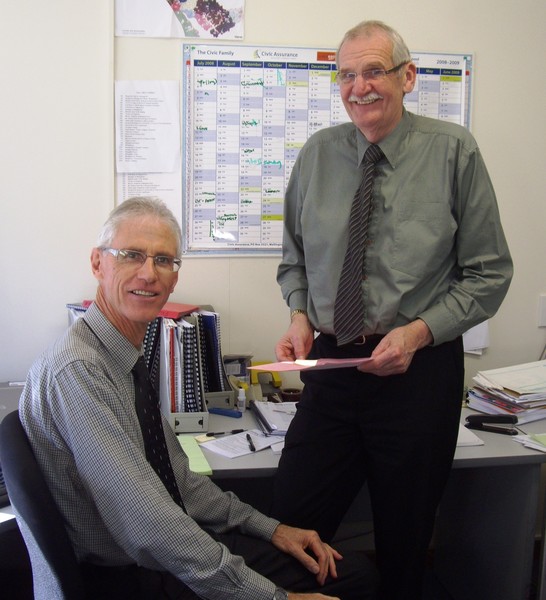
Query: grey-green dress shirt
[
  {"x": 437, "y": 249},
  {"x": 78, "y": 410}
]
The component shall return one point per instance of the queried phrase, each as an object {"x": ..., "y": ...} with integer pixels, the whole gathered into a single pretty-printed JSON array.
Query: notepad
[
  {"x": 198, "y": 462},
  {"x": 467, "y": 437}
]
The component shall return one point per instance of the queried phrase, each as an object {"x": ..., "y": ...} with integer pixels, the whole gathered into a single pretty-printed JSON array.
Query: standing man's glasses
[{"x": 349, "y": 77}]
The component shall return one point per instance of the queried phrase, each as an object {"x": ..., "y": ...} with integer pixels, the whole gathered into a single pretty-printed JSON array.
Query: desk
[{"x": 486, "y": 524}]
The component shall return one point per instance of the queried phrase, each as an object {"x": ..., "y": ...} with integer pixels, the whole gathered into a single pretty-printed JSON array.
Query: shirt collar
[
  {"x": 117, "y": 345},
  {"x": 390, "y": 145}
]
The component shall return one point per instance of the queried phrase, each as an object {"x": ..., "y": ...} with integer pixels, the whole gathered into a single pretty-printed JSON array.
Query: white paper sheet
[
  {"x": 148, "y": 137},
  {"x": 476, "y": 339},
  {"x": 223, "y": 19},
  {"x": 232, "y": 446}
]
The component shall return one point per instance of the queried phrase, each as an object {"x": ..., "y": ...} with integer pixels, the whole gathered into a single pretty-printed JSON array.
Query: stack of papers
[
  {"x": 535, "y": 441},
  {"x": 517, "y": 390}
]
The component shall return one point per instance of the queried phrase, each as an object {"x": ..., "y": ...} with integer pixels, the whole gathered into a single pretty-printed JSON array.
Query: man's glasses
[
  {"x": 349, "y": 77},
  {"x": 137, "y": 259}
]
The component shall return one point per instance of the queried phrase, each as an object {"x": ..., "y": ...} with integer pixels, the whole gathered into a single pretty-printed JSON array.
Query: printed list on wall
[{"x": 247, "y": 111}]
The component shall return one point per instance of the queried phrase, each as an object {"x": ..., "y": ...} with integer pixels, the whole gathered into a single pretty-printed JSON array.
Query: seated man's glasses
[
  {"x": 349, "y": 77},
  {"x": 137, "y": 259}
]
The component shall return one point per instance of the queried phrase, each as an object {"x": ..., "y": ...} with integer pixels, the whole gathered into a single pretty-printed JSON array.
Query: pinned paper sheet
[
  {"x": 159, "y": 18},
  {"x": 146, "y": 18},
  {"x": 147, "y": 126},
  {"x": 476, "y": 339}
]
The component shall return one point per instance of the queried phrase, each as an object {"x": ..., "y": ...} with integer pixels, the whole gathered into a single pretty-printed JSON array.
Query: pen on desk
[
  {"x": 214, "y": 433},
  {"x": 250, "y": 442}
]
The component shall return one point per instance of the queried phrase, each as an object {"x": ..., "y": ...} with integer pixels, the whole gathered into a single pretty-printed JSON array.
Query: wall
[
  {"x": 57, "y": 181},
  {"x": 56, "y": 157}
]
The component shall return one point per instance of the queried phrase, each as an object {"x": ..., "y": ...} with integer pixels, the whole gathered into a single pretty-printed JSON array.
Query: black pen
[
  {"x": 213, "y": 433},
  {"x": 250, "y": 442}
]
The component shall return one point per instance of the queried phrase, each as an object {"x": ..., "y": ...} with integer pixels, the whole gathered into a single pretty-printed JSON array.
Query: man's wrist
[
  {"x": 280, "y": 594},
  {"x": 297, "y": 311},
  {"x": 423, "y": 333}
]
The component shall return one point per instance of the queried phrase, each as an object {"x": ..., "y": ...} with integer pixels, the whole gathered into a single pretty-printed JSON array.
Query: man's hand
[
  {"x": 297, "y": 542},
  {"x": 297, "y": 341},
  {"x": 394, "y": 353}
]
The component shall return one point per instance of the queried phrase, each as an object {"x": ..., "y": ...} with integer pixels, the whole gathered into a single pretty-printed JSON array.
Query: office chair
[{"x": 55, "y": 571}]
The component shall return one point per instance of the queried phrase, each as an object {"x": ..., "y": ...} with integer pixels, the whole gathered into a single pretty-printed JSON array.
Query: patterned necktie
[
  {"x": 349, "y": 305},
  {"x": 149, "y": 417}
]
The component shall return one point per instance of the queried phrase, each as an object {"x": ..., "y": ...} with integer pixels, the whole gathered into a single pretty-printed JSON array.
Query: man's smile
[
  {"x": 143, "y": 293},
  {"x": 368, "y": 99}
]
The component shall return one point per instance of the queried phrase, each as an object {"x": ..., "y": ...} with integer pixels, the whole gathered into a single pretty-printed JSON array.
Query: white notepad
[{"x": 467, "y": 437}]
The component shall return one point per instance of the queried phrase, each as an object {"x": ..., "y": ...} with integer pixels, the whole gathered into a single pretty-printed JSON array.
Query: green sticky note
[{"x": 198, "y": 462}]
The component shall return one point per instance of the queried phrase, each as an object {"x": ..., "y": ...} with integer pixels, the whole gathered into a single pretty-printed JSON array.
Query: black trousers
[
  {"x": 357, "y": 577},
  {"x": 398, "y": 433}
]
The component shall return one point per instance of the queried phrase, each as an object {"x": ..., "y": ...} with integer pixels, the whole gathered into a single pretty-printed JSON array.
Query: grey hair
[
  {"x": 400, "y": 52},
  {"x": 139, "y": 207}
]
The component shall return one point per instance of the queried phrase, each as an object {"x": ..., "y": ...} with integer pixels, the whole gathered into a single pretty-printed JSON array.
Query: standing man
[
  {"x": 144, "y": 526},
  {"x": 433, "y": 263}
]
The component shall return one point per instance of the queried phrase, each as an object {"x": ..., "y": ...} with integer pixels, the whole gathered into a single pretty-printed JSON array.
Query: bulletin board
[{"x": 246, "y": 113}]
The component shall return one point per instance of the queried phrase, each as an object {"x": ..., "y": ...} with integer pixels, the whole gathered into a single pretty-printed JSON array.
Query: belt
[{"x": 374, "y": 338}]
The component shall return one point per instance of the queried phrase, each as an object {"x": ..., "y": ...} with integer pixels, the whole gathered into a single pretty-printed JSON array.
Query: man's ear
[
  {"x": 96, "y": 258},
  {"x": 410, "y": 77}
]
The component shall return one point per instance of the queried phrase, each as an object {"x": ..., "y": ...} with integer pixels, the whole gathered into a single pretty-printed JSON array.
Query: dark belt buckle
[{"x": 361, "y": 339}]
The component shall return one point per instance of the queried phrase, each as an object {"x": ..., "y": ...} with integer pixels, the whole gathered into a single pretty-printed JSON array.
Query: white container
[{"x": 241, "y": 400}]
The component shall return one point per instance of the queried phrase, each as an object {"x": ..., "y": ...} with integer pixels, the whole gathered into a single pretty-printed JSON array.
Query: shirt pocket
[{"x": 424, "y": 238}]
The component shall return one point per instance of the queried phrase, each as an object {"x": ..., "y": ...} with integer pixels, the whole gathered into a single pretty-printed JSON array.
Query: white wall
[
  {"x": 56, "y": 173},
  {"x": 57, "y": 157}
]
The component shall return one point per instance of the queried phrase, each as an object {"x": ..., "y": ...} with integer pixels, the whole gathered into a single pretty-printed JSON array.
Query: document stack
[
  {"x": 182, "y": 349},
  {"x": 517, "y": 390},
  {"x": 192, "y": 375}
]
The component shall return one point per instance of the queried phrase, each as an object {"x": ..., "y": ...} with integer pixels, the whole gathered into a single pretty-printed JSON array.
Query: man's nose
[
  {"x": 361, "y": 84},
  {"x": 148, "y": 270}
]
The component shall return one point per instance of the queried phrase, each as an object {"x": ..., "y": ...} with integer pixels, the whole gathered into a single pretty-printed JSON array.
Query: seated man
[{"x": 139, "y": 529}]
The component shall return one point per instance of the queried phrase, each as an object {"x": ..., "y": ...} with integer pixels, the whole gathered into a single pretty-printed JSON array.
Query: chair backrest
[{"x": 55, "y": 570}]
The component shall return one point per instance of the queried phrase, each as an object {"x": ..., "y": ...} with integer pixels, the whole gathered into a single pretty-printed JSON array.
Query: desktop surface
[
  {"x": 497, "y": 450},
  {"x": 257, "y": 464}
]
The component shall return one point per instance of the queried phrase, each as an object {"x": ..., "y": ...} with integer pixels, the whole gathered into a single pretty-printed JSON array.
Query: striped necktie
[
  {"x": 149, "y": 417},
  {"x": 349, "y": 304}
]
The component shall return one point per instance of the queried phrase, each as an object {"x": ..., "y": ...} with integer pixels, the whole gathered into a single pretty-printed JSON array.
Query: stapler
[{"x": 484, "y": 423}]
